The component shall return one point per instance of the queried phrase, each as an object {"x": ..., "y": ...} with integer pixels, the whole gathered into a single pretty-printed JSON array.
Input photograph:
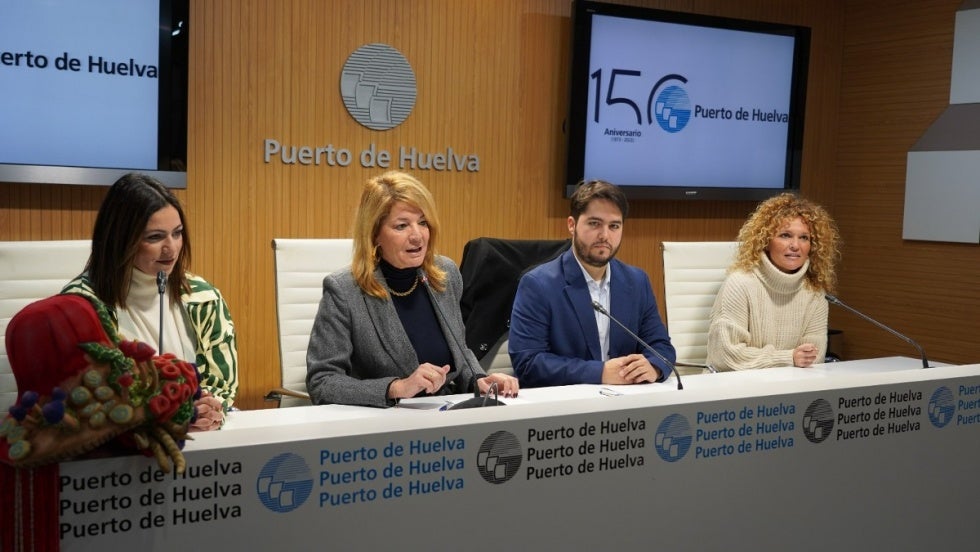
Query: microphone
[
  {"x": 162, "y": 288},
  {"x": 600, "y": 309},
  {"x": 477, "y": 401},
  {"x": 835, "y": 301}
]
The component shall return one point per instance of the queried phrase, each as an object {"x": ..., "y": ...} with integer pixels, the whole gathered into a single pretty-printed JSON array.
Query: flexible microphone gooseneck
[
  {"x": 835, "y": 301},
  {"x": 477, "y": 401},
  {"x": 162, "y": 288},
  {"x": 600, "y": 309}
]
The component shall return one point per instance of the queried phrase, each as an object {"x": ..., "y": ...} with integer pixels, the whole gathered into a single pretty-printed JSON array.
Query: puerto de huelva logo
[
  {"x": 668, "y": 105},
  {"x": 818, "y": 421},
  {"x": 284, "y": 483},
  {"x": 378, "y": 86},
  {"x": 673, "y": 438},
  {"x": 499, "y": 457},
  {"x": 941, "y": 407},
  {"x": 672, "y": 106}
]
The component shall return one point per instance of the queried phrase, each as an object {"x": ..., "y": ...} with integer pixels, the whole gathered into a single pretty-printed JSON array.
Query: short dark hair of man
[{"x": 590, "y": 190}]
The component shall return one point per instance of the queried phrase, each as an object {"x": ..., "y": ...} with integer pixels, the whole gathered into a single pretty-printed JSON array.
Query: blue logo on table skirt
[
  {"x": 941, "y": 407},
  {"x": 284, "y": 483},
  {"x": 673, "y": 438}
]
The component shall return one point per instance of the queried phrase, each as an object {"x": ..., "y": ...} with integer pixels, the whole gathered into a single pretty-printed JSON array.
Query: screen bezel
[
  {"x": 582, "y": 12},
  {"x": 171, "y": 167}
]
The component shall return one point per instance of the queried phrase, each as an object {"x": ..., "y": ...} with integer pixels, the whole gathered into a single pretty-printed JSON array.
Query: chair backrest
[
  {"x": 693, "y": 273},
  {"x": 491, "y": 269},
  {"x": 29, "y": 271},
  {"x": 497, "y": 357},
  {"x": 300, "y": 266}
]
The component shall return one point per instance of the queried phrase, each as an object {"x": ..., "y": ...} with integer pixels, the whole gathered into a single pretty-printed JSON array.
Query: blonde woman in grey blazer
[{"x": 390, "y": 327}]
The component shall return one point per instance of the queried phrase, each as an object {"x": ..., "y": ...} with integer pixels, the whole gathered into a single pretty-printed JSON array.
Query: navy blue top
[{"x": 417, "y": 315}]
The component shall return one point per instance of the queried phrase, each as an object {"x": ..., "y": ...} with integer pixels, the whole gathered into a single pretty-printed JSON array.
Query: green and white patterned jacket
[{"x": 208, "y": 315}]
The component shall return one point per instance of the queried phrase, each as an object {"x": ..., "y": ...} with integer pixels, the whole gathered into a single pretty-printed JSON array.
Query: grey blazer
[{"x": 358, "y": 345}]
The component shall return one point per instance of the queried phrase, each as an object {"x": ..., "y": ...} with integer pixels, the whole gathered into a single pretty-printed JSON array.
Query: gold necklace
[{"x": 404, "y": 293}]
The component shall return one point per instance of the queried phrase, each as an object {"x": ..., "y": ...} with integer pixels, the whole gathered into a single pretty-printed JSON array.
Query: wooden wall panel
[
  {"x": 492, "y": 81},
  {"x": 896, "y": 74}
]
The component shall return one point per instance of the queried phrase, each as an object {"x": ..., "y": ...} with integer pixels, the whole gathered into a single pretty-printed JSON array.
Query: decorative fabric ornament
[{"x": 80, "y": 387}]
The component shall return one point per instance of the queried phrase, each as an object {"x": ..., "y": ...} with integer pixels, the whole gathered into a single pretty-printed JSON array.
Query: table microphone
[
  {"x": 835, "y": 301},
  {"x": 476, "y": 401},
  {"x": 162, "y": 288},
  {"x": 599, "y": 308}
]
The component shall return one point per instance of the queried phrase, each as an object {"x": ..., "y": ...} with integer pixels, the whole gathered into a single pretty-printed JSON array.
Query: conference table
[{"x": 860, "y": 455}]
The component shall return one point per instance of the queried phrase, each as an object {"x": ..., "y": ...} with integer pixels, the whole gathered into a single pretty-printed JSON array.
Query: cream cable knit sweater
[{"x": 759, "y": 317}]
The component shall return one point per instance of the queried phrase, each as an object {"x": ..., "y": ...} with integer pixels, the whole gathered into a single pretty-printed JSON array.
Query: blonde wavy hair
[
  {"x": 379, "y": 195},
  {"x": 770, "y": 216}
]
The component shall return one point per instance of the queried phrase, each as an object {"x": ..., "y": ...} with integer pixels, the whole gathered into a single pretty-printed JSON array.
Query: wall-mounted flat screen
[
  {"x": 674, "y": 105},
  {"x": 93, "y": 89}
]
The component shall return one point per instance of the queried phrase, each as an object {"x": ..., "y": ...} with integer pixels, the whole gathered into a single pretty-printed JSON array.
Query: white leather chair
[
  {"x": 693, "y": 273},
  {"x": 300, "y": 266},
  {"x": 29, "y": 271},
  {"x": 497, "y": 358}
]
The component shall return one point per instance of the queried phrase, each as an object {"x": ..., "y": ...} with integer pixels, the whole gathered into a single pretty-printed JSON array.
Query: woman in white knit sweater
[{"x": 771, "y": 310}]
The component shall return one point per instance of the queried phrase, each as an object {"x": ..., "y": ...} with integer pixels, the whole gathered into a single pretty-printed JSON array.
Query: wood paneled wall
[
  {"x": 895, "y": 81},
  {"x": 492, "y": 83}
]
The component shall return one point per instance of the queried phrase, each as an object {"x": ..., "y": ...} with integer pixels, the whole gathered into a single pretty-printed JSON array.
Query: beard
[{"x": 583, "y": 252}]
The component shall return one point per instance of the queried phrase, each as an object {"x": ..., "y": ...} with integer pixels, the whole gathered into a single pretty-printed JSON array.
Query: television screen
[
  {"x": 92, "y": 90},
  {"x": 682, "y": 106}
]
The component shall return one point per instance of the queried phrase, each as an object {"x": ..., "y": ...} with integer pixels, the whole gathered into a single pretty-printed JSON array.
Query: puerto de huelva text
[
  {"x": 94, "y": 64},
  {"x": 417, "y": 468},
  {"x": 126, "y": 502},
  {"x": 968, "y": 409},
  {"x": 761, "y": 428},
  {"x": 407, "y": 158},
  {"x": 592, "y": 447}
]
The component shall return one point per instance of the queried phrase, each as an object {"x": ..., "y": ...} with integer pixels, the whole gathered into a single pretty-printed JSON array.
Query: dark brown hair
[
  {"x": 119, "y": 226},
  {"x": 590, "y": 190}
]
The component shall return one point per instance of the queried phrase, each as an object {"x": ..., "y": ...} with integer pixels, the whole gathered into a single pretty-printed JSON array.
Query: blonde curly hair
[{"x": 770, "y": 216}]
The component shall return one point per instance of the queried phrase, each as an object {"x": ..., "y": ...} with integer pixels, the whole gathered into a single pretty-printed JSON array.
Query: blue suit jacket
[{"x": 554, "y": 339}]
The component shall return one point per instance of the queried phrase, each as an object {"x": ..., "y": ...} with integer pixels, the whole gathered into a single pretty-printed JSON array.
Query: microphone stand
[
  {"x": 477, "y": 400},
  {"x": 162, "y": 288},
  {"x": 599, "y": 308},
  {"x": 835, "y": 301}
]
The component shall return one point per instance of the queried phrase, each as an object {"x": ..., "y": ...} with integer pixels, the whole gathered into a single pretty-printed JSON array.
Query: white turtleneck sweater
[
  {"x": 759, "y": 317},
  {"x": 140, "y": 320}
]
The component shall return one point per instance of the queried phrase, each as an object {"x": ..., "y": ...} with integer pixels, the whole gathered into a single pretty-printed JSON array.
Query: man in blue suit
[{"x": 556, "y": 337}]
